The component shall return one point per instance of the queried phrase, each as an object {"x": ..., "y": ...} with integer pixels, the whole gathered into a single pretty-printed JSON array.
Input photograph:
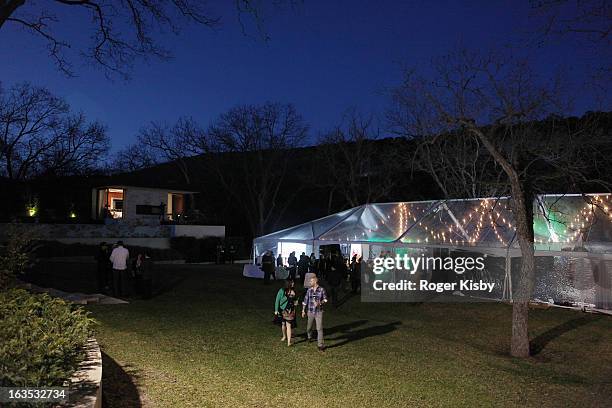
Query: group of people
[
  {"x": 116, "y": 270},
  {"x": 331, "y": 267},
  {"x": 286, "y": 304}
]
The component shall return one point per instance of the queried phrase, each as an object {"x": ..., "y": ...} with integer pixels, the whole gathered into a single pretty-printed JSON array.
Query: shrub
[
  {"x": 41, "y": 339},
  {"x": 208, "y": 249},
  {"x": 16, "y": 256},
  {"x": 188, "y": 246},
  {"x": 196, "y": 249},
  {"x": 53, "y": 249}
]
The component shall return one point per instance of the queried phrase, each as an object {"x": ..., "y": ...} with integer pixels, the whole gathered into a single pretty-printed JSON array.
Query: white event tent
[{"x": 573, "y": 239}]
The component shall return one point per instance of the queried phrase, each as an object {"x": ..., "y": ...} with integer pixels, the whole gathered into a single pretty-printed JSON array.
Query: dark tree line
[{"x": 258, "y": 159}]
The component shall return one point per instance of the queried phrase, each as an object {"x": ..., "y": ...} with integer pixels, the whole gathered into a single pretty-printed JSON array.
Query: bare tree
[
  {"x": 353, "y": 165},
  {"x": 161, "y": 142},
  {"x": 121, "y": 30},
  {"x": 251, "y": 152},
  {"x": 588, "y": 24},
  {"x": 134, "y": 157},
  {"x": 39, "y": 135},
  {"x": 591, "y": 19},
  {"x": 504, "y": 116}
]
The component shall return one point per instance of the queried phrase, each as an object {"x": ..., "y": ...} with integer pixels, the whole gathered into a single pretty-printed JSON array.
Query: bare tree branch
[
  {"x": 122, "y": 31},
  {"x": 40, "y": 136}
]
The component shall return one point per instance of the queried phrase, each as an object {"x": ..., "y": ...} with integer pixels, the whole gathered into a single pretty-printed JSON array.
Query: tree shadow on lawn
[
  {"x": 350, "y": 336},
  {"x": 538, "y": 344},
  {"x": 166, "y": 286},
  {"x": 118, "y": 387}
]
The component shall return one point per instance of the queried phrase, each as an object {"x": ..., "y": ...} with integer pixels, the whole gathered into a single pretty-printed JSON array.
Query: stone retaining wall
[{"x": 86, "y": 383}]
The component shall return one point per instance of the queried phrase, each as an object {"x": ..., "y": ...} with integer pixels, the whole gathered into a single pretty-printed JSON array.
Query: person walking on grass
[
  {"x": 312, "y": 305},
  {"x": 286, "y": 301}
]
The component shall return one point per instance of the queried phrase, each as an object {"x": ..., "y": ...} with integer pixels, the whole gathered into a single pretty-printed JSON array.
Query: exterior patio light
[{"x": 32, "y": 210}]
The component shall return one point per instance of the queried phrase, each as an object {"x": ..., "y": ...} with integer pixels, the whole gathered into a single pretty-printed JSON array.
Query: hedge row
[
  {"x": 52, "y": 249},
  {"x": 196, "y": 249}
]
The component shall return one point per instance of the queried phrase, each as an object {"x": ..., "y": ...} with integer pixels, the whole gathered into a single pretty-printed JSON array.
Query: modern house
[
  {"x": 138, "y": 215},
  {"x": 128, "y": 203}
]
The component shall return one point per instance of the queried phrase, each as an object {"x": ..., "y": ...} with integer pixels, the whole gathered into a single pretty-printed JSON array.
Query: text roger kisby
[{"x": 425, "y": 285}]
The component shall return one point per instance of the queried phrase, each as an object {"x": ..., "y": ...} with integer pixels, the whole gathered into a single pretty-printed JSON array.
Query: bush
[
  {"x": 196, "y": 249},
  {"x": 16, "y": 255},
  {"x": 208, "y": 248},
  {"x": 187, "y": 246},
  {"x": 53, "y": 249},
  {"x": 41, "y": 339}
]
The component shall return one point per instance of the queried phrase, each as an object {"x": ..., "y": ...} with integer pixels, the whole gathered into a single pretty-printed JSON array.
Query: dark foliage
[{"x": 41, "y": 339}]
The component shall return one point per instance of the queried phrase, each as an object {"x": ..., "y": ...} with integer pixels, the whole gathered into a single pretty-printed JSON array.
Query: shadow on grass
[
  {"x": 344, "y": 328},
  {"x": 341, "y": 328},
  {"x": 346, "y": 297},
  {"x": 350, "y": 336},
  {"x": 118, "y": 387},
  {"x": 167, "y": 286},
  {"x": 540, "y": 342}
]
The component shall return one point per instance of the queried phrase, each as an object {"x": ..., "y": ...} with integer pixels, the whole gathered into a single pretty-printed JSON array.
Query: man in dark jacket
[
  {"x": 303, "y": 264},
  {"x": 267, "y": 265},
  {"x": 292, "y": 262},
  {"x": 335, "y": 274},
  {"x": 355, "y": 274},
  {"x": 104, "y": 267}
]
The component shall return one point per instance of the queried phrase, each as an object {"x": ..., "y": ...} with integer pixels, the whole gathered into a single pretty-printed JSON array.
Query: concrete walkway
[{"x": 77, "y": 298}]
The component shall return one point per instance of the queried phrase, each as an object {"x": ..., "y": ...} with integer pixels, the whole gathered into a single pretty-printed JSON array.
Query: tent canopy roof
[{"x": 558, "y": 219}]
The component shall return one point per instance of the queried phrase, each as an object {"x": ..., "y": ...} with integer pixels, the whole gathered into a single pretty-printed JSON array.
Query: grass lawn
[{"x": 209, "y": 342}]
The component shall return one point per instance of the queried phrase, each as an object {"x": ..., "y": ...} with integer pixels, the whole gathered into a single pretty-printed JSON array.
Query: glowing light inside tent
[
  {"x": 285, "y": 248},
  {"x": 356, "y": 250}
]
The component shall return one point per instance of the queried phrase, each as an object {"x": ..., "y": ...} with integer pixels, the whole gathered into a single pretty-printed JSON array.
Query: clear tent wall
[{"x": 573, "y": 241}]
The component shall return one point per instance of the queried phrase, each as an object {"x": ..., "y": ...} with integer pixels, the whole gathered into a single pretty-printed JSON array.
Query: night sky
[{"x": 323, "y": 56}]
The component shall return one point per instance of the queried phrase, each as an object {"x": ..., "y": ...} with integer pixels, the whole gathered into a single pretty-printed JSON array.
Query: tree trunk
[
  {"x": 330, "y": 199},
  {"x": 260, "y": 217},
  {"x": 523, "y": 210},
  {"x": 522, "y": 202},
  {"x": 519, "y": 345}
]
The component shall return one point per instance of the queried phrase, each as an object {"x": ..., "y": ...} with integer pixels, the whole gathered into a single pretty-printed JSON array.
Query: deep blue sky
[{"x": 322, "y": 56}]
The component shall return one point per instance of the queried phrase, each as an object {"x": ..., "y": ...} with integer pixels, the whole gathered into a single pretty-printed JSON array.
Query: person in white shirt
[{"x": 119, "y": 259}]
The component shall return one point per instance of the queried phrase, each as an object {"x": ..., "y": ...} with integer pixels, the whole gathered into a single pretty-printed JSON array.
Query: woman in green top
[{"x": 284, "y": 305}]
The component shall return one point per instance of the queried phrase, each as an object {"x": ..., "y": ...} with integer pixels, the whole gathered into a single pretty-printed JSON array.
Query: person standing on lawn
[
  {"x": 292, "y": 262},
  {"x": 104, "y": 267},
  {"x": 312, "y": 305},
  {"x": 284, "y": 305},
  {"x": 302, "y": 266},
  {"x": 267, "y": 265},
  {"x": 335, "y": 274},
  {"x": 119, "y": 259}
]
